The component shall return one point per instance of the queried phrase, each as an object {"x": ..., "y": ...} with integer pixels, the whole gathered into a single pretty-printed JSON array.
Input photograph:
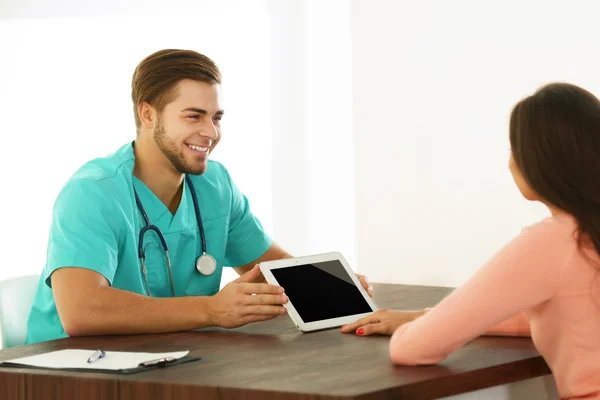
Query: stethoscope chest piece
[{"x": 206, "y": 264}]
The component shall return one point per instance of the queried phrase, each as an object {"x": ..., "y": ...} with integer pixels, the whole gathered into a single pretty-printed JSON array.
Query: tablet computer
[{"x": 322, "y": 289}]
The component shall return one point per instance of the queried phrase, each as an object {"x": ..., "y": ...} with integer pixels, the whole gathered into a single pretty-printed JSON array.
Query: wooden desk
[{"x": 273, "y": 360}]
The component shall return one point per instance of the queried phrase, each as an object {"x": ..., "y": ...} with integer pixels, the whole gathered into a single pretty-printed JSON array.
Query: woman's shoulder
[{"x": 561, "y": 226}]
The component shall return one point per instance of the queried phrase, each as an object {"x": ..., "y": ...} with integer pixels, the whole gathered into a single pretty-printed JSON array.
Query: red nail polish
[{"x": 359, "y": 331}]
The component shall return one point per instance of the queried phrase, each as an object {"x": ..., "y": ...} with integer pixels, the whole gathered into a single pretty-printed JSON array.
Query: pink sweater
[{"x": 541, "y": 285}]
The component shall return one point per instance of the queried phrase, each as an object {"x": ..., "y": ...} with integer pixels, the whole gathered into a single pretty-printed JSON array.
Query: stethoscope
[{"x": 205, "y": 264}]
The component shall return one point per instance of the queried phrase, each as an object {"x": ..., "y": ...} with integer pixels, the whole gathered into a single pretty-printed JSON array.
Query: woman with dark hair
[{"x": 546, "y": 281}]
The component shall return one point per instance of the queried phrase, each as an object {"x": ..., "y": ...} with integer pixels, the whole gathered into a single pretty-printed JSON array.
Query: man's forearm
[{"x": 110, "y": 311}]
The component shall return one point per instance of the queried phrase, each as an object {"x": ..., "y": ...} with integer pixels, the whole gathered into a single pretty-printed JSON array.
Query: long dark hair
[{"x": 555, "y": 142}]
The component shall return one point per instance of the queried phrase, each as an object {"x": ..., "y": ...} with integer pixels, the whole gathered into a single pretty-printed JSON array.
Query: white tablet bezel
[{"x": 267, "y": 266}]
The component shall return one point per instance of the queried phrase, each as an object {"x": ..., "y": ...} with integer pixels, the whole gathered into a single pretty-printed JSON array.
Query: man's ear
[{"x": 147, "y": 115}]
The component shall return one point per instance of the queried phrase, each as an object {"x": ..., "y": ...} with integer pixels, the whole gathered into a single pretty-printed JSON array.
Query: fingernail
[
  {"x": 360, "y": 331},
  {"x": 371, "y": 288}
]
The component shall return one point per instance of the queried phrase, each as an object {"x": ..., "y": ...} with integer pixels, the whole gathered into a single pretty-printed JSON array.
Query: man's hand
[
  {"x": 365, "y": 283},
  {"x": 241, "y": 302},
  {"x": 382, "y": 322}
]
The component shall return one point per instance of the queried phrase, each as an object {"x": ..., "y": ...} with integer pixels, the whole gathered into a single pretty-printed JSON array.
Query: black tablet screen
[{"x": 321, "y": 291}]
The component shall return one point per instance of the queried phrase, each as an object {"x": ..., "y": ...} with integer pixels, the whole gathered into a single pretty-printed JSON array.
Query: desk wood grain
[{"x": 273, "y": 360}]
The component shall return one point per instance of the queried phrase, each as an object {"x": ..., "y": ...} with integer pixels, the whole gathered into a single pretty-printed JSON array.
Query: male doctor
[{"x": 138, "y": 239}]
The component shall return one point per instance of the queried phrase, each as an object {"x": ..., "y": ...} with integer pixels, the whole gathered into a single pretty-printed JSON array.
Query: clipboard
[{"x": 150, "y": 362}]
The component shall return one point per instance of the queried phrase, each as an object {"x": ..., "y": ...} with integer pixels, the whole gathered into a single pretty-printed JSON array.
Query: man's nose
[{"x": 209, "y": 130}]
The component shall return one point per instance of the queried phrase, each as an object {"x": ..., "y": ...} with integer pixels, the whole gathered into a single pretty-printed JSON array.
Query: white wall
[
  {"x": 433, "y": 85},
  {"x": 18, "y": 9},
  {"x": 313, "y": 188},
  {"x": 65, "y": 81},
  {"x": 380, "y": 130},
  {"x": 287, "y": 93}
]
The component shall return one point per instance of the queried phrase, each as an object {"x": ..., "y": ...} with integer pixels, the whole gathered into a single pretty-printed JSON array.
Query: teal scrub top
[{"x": 96, "y": 225}]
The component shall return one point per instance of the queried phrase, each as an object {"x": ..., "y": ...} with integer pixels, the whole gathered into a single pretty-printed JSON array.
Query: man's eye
[{"x": 193, "y": 117}]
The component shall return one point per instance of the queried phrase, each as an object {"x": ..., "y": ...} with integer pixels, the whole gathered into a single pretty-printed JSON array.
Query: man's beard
[{"x": 169, "y": 149}]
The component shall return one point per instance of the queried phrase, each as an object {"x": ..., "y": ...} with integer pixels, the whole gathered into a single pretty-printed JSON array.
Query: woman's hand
[{"x": 381, "y": 322}]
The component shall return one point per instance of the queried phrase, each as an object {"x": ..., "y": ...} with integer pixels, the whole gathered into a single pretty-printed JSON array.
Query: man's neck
[{"x": 157, "y": 172}]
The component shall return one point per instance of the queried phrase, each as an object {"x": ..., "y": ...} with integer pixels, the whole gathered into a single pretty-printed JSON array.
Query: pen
[{"x": 98, "y": 354}]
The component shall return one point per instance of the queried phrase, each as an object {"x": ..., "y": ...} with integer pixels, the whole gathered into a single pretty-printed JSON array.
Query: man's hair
[{"x": 156, "y": 77}]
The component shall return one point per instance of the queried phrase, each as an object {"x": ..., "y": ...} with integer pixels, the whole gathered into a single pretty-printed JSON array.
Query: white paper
[{"x": 113, "y": 360}]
